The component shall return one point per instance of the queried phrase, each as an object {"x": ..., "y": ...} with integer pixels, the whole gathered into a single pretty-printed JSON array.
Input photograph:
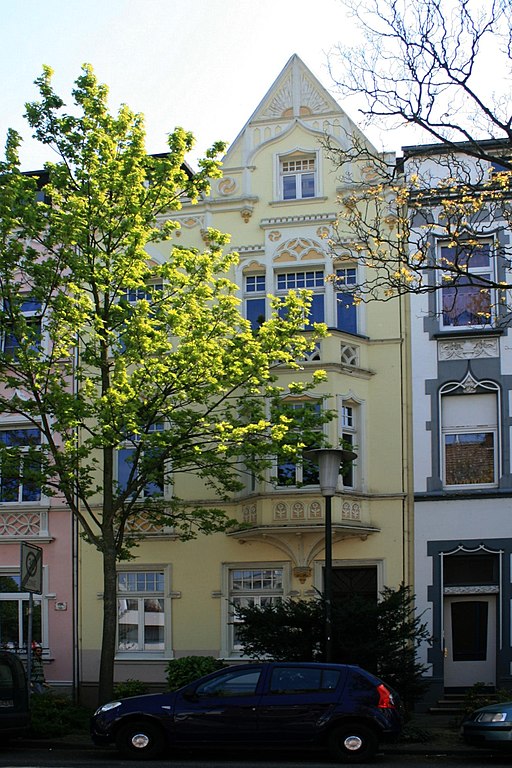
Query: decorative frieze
[
  {"x": 249, "y": 513},
  {"x": 467, "y": 349}
]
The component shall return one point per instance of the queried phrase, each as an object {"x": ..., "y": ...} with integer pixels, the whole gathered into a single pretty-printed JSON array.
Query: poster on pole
[{"x": 31, "y": 568}]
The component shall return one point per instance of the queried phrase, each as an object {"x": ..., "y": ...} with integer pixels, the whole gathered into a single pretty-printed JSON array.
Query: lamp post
[{"x": 329, "y": 462}]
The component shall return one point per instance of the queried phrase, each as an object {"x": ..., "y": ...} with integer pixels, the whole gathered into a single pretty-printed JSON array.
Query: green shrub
[
  {"x": 182, "y": 671},
  {"x": 54, "y": 715},
  {"x": 130, "y": 687}
]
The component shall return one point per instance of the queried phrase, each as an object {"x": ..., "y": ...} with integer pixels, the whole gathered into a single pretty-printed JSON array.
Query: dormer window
[{"x": 298, "y": 176}]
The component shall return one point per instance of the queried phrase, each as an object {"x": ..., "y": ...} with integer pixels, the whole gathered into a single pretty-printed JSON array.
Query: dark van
[{"x": 14, "y": 705}]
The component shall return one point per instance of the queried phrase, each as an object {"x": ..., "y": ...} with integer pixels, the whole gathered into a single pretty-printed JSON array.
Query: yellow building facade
[{"x": 278, "y": 200}]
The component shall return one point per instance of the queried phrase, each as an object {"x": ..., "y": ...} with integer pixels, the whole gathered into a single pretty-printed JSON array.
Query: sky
[{"x": 201, "y": 64}]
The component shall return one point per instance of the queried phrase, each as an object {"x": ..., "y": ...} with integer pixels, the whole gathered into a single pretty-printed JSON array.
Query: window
[
  {"x": 469, "y": 437},
  {"x": 127, "y": 473},
  {"x": 28, "y": 331},
  {"x": 286, "y": 680},
  {"x": 255, "y": 300},
  {"x": 346, "y": 313},
  {"x": 312, "y": 280},
  {"x": 250, "y": 587},
  {"x": 298, "y": 177},
  {"x": 133, "y": 295},
  {"x": 348, "y": 436},
  {"x": 305, "y": 472},
  {"x": 231, "y": 683},
  {"x": 467, "y": 300},
  {"x": 20, "y": 465},
  {"x": 141, "y": 611},
  {"x": 14, "y": 613}
]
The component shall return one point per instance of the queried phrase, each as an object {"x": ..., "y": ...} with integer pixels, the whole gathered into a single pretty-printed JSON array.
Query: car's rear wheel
[
  {"x": 140, "y": 740},
  {"x": 353, "y": 743}
]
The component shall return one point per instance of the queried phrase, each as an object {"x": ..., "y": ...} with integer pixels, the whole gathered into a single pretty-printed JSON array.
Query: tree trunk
[{"x": 108, "y": 642}]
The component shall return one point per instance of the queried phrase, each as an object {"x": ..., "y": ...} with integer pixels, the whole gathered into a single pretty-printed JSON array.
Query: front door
[{"x": 469, "y": 640}]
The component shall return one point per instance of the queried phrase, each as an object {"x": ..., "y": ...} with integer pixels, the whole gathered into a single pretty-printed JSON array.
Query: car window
[
  {"x": 231, "y": 684},
  {"x": 298, "y": 679}
]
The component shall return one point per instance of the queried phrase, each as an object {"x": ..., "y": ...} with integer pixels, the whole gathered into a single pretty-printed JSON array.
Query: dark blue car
[{"x": 270, "y": 704}]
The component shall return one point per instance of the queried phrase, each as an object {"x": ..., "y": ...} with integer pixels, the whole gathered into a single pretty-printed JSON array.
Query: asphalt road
[{"x": 17, "y": 756}]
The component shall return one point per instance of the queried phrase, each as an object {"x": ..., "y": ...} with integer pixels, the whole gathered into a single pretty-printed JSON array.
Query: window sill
[
  {"x": 143, "y": 656},
  {"x": 468, "y": 332},
  {"x": 299, "y": 201}
]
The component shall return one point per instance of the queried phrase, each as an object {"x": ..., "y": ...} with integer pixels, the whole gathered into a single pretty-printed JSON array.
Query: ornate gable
[{"x": 295, "y": 93}]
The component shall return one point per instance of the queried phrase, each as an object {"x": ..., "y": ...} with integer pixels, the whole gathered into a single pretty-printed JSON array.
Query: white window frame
[
  {"x": 254, "y": 287},
  {"x": 24, "y": 597},
  {"x": 445, "y": 284},
  {"x": 350, "y": 283},
  {"x": 140, "y": 595},
  {"x": 349, "y": 415},
  {"x": 485, "y": 388},
  {"x": 297, "y": 155},
  {"x": 229, "y": 646},
  {"x": 310, "y": 278}
]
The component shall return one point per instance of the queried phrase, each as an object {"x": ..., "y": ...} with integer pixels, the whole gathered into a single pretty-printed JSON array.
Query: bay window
[{"x": 346, "y": 311}]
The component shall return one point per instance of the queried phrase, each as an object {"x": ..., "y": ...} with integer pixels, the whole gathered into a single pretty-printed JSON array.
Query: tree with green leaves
[
  {"x": 424, "y": 66},
  {"x": 113, "y": 360}
]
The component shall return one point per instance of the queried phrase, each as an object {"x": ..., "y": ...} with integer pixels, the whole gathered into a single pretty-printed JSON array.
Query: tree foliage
[
  {"x": 426, "y": 65},
  {"x": 106, "y": 350},
  {"x": 382, "y": 637}
]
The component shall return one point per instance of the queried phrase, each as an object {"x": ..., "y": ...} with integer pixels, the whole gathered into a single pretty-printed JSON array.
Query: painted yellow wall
[{"x": 371, "y": 520}]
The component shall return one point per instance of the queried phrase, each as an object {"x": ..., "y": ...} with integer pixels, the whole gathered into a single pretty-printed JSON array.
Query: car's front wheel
[
  {"x": 353, "y": 743},
  {"x": 140, "y": 740}
]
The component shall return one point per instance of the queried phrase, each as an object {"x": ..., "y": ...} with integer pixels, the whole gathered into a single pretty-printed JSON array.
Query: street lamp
[{"x": 329, "y": 462}]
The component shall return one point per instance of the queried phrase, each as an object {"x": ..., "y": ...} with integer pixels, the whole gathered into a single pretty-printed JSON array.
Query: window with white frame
[
  {"x": 129, "y": 455},
  {"x": 346, "y": 309},
  {"x": 20, "y": 465},
  {"x": 141, "y": 611},
  {"x": 469, "y": 439},
  {"x": 291, "y": 472},
  {"x": 348, "y": 422},
  {"x": 14, "y": 605},
  {"x": 312, "y": 280},
  {"x": 298, "y": 176},
  {"x": 251, "y": 586},
  {"x": 255, "y": 299},
  {"x": 467, "y": 299},
  {"x": 27, "y": 332}
]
